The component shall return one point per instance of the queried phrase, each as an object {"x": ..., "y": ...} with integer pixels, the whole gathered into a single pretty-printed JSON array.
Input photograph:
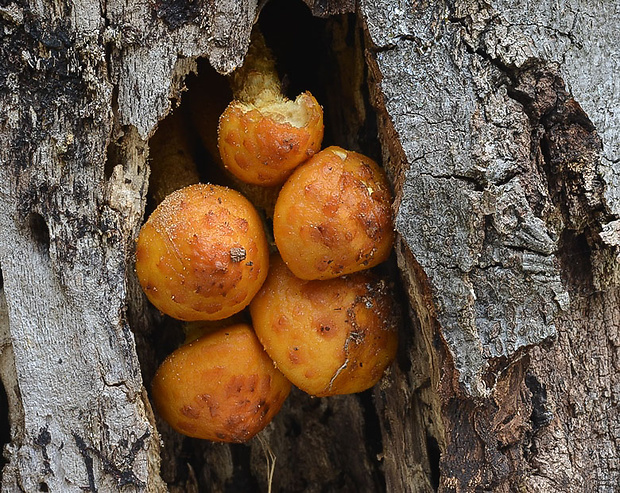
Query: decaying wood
[
  {"x": 75, "y": 78},
  {"x": 325, "y": 8},
  {"x": 504, "y": 160}
]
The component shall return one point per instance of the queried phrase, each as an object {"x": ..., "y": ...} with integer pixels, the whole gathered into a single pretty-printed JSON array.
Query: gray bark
[
  {"x": 325, "y": 8},
  {"x": 505, "y": 157},
  {"x": 498, "y": 127},
  {"x": 75, "y": 78}
]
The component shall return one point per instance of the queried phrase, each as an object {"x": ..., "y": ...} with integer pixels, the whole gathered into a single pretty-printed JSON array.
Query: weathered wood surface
[
  {"x": 498, "y": 122},
  {"x": 500, "y": 127},
  {"x": 325, "y": 8},
  {"x": 74, "y": 78}
]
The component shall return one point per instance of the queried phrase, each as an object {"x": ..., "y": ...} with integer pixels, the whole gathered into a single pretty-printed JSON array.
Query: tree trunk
[{"x": 496, "y": 123}]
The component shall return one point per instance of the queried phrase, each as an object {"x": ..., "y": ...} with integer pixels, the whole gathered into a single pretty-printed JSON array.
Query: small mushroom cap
[
  {"x": 327, "y": 337},
  {"x": 202, "y": 254},
  {"x": 262, "y": 143},
  {"x": 333, "y": 216},
  {"x": 221, "y": 387}
]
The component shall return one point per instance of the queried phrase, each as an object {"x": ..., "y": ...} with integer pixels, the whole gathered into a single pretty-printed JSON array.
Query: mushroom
[
  {"x": 327, "y": 337},
  {"x": 262, "y": 135},
  {"x": 202, "y": 254},
  {"x": 333, "y": 216},
  {"x": 221, "y": 387}
]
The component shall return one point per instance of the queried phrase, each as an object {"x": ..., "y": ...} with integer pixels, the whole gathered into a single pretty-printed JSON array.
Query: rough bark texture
[
  {"x": 505, "y": 163},
  {"x": 75, "y": 77},
  {"x": 324, "y": 8},
  {"x": 497, "y": 122}
]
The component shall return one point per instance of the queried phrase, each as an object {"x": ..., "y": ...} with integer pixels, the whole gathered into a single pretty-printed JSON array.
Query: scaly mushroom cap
[
  {"x": 262, "y": 142},
  {"x": 221, "y": 387},
  {"x": 202, "y": 254},
  {"x": 333, "y": 216},
  {"x": 327, "y": 337}
]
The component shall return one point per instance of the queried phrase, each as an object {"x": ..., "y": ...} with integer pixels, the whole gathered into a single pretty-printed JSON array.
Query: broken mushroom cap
[
  {"x": 327, "y": 337},
  {"x": 202, "y": 254},
  {"x": 221, "y": 387},
  {"x": 261, "y": 142},
  {"x": 262, "y": 135},
  {"x": 333, "y": 216}
]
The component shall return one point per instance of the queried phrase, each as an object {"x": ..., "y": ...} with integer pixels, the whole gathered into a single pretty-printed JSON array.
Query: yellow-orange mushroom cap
[
  {"x": 333, "y": 216},
  {"x": 262, "y": 142},
  {"x": 221, "y": 387},
  {"x": 327, "y": 337},
  {"x": 202, "y": 254}
]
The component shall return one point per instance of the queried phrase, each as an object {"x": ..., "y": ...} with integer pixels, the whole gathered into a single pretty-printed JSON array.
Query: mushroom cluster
[{"x": 321, "y": 317}]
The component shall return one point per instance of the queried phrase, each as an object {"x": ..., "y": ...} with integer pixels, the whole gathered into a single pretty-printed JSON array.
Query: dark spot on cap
[
  {"x": 211, "y": 403},
  {"x": 237, "y": 254},
  {"x": 233, "y": 423},
  {"x": 190, "y": 412},
  {"x": 264, "y": 411},
  {"x": 293, "y": 355},
  {"x": 252, "y": 381}
]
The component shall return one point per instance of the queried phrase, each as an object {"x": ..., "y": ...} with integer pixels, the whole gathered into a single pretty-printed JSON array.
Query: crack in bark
[
  {"x": 525, "y": 87},
  {"x": 123, "y": 476},
  {"x": 88, "y": 461},
  {"x": 43, "y": 440}
]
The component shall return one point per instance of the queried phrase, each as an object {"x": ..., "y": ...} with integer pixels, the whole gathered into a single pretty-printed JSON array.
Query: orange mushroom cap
[
  {"x": 262, "y": 142},
  {"x": 221, "y": 387},
  {"x": 327, "y": 337},
  {"x": 202, "y": 254},
  {"x": 333, "y": 216}
]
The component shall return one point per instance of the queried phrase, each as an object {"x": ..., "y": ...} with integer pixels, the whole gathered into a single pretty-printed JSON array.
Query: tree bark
[
  {"x": 496, "y": 123},
  {"x": 85, "y": 84},
  {"x": 505, "y": 163}
]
